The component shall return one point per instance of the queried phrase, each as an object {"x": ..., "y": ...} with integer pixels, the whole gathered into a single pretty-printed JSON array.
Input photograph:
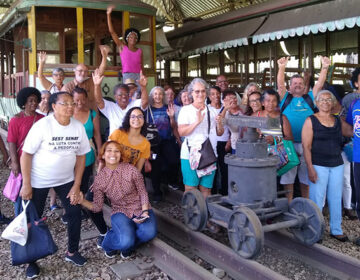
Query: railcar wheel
[
  {"x": 245, "y": 233},
  {"x": 194, "y": 210},
  {"x": 313, "y": 227}
]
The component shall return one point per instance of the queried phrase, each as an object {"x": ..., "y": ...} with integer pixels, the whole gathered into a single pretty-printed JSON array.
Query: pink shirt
[
  {"x": 19, "y": 127},
  {"x": 130, "y": 61},
  {"x": 125, "y": 188}
]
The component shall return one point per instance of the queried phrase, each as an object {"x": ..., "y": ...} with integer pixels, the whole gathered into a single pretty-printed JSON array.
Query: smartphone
[{"x": 153, "y": 156}]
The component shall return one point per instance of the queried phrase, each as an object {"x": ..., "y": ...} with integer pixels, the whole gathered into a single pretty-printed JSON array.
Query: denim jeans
[
  {"x": 125, "y": 235},
  {"x": 329, "y": 185}
]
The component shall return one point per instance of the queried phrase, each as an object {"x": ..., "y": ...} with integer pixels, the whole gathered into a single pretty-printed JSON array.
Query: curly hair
[
  {"x": 355, "y": 77},
  {"x": 273, "y": 92},
  {"x": 126, "y": 122},
  {"x": 54, "y": 98},
  {"x": 24, "y": 94},
  {"x": 132, "y": 30}
]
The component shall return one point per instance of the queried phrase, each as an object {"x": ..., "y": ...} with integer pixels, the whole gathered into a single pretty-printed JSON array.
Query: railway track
[{"x": 320, "y": 257}]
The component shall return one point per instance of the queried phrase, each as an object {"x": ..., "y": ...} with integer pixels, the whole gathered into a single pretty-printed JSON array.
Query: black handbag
[
  {"x": 208, "y": 156},
  {"x": 39, "y": 243},
  {"x": 152, "y": 133}
]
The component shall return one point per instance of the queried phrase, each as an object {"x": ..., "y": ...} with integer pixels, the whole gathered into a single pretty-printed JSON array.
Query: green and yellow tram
[{"x": 70, "y": 32}]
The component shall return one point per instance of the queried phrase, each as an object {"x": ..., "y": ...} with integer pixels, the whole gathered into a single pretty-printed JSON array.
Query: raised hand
[
  {"x": 42, "y": 57},
  {"x": 170, "y": 111},
  {"x": 104, "y": 49},
  {"x": 110, "y": 9},
  {"x": 282, "y": 62},
  {"x": 97, "y": 78},
  {"x": 325, "y": 62},
  {"x": 200, "y": 116},
  {"x": 143, "y": 80}
]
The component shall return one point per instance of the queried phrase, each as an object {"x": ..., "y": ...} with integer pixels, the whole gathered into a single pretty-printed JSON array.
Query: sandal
[{"x": 340, "y": 237}]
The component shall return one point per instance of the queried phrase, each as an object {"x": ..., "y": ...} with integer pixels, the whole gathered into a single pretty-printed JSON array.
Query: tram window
[
  {"x": 194, "y": 66},
  {"x": 147, "y": 55},
  {"x": 230, "y": 59},
  {"x": 213, "y": 63},
  {"x": 47, "y": 41},
  {"x": 141, "y": 23},
  {"x": 71, "y": 52}
]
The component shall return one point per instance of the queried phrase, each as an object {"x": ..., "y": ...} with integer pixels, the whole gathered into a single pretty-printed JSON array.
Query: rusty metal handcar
[{"x": 252, "y": 196}]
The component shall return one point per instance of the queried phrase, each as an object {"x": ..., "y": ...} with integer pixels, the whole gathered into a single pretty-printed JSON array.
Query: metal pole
[
  {"x": 270, "y": 66},
  {"x": 286, "y": 224},
  {"x": 304, "y": 49},
  {"x": 23, "y": 67}
]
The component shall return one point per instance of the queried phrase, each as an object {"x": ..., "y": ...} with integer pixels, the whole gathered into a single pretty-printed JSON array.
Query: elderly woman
[
  {"x": 132, "y": 220},
  {"x": 165, "y": 159},
  {"x": 43, "y": 108},
  {"x": 54, "y": 157},
  {"x": 322, "y": 143},
  {"x": 58, "y": 76},
  {"x": 193, "y": 125},
  {"x": 184, "y": 98},
  {"x": 251, "y": 87},
  {"x": 28, "y": 100}
]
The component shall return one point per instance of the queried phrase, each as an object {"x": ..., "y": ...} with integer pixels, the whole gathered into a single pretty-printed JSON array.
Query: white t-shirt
[
  {"x": 226, "y": 135},
  {"x": 54, "y": 148},
  {"x": 187, "y": 115},
  {"x": 115, "y": 114}
]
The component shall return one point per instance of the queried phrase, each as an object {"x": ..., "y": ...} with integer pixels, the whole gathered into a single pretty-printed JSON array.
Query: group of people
[{"x": 55, "y": 142}]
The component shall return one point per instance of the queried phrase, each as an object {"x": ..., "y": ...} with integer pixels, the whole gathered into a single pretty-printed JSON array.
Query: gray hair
[
  {"x": 252, "y": 84},
  {"x": 58, "y": 70},
  {"x": 151, "y": 95},
  {"x": 178, "y": 98},
  {"x": 322, "y": 92},
  {"x": 200, "y": 81}
]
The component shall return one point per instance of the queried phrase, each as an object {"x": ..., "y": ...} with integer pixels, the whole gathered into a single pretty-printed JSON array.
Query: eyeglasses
[
  {"x": 327, "y": 100},
  {"x": 254, "y": 100},
  {"x": 222, "y": 82},
  {"x": 139, "y": 117},
  {"x": 66, "y": 104}
]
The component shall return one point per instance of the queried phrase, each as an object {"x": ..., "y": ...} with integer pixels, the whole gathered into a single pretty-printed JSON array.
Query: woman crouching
[{"x": 132, "y": 220}]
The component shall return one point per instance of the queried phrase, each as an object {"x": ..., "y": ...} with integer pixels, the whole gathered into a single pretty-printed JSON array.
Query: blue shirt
[
  {"x": 162, "y": 121},
  {"x": 353, "y": 118},
  {"x": 297, "y": 112}
]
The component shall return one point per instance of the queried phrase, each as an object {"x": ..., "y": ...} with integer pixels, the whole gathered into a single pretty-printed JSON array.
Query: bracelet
[{"x": 143, "y": 211}]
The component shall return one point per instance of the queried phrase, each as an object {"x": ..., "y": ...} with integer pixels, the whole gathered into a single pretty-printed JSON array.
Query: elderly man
[
  {"x": 115, "y": 112},
  {"x": 82, "y": 80},
  {"x": 58, "y": 76},
  {"x": 222, "y": 83},
  {"x": 297, "y": 105}
]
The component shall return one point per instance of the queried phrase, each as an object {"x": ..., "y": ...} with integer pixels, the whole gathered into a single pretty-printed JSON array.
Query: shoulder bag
[{"x": 208, "y": 156}]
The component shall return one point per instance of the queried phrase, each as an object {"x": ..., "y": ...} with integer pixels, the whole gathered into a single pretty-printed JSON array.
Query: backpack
[{"x": 307, "y": 99}]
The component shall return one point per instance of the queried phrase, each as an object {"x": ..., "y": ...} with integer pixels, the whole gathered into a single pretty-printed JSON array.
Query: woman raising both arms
[{"x": 130, "y": 55}]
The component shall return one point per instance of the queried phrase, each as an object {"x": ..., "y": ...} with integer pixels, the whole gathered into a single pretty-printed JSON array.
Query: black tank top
[{"x": 326, "y": 144}]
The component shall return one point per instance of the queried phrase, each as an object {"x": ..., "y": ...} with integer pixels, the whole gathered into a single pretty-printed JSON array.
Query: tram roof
[{"x": 13, "y": 11}]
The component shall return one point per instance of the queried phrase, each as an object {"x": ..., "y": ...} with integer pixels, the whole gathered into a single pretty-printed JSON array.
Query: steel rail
[
  {"x": 212, "y": 251},
  {"x": 173, "y": 263},
  {"x": 318, "y": 256}
]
